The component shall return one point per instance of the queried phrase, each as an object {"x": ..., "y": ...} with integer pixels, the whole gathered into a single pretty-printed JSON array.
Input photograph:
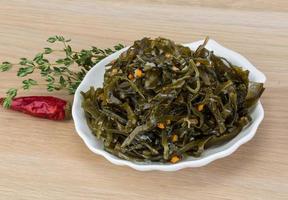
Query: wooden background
[{"x": 40, "y": 159}]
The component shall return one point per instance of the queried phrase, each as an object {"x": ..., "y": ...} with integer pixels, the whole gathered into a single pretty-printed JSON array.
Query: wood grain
[{"x": 40, "y": 159}]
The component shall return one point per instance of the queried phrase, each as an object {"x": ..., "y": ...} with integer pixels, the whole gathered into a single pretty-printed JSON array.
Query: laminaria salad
[{"x": 162, "y": 102}]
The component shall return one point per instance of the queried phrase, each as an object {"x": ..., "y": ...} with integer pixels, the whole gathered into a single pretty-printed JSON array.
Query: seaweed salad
[{"x": 162, "y": 102}]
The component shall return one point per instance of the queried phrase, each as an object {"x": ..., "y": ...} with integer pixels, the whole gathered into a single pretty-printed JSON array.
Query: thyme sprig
[{"x": 58, "y": 75}]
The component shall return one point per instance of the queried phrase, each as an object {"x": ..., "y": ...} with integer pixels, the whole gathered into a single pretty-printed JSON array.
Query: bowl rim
[{"x": 186, "y": 163}]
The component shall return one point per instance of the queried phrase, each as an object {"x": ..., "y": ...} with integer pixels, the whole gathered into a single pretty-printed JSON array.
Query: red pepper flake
[
  {"x": 175, "y": 159},
  {"x": 174, "y": 138},
  {"x": 42, "y": 106},
  {"x": 161, "y": 125},
  {"x": 138, "y": 73},
  {"x": 131, "y": 77},
  {"x": 200, "y": 107}
]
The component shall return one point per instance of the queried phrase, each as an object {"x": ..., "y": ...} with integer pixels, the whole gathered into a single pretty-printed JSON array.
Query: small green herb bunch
[{"x": 58, "y": 75}]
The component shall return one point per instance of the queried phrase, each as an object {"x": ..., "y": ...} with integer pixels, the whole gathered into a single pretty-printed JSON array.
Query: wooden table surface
[{"x": 41, "y": 159}]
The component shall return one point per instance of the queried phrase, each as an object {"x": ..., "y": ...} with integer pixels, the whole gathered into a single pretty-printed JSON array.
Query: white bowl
[{"x": 95, "y": 77}]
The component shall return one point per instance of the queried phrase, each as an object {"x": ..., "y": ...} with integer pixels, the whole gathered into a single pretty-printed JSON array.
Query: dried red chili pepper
[{"x": 42, "y": 106}]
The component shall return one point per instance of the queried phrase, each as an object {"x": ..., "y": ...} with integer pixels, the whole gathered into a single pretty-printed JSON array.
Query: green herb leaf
[
  {"x": 32, "y": 82},
  {"x": 25, "y": 61},
  {"x": 57, "y": 70},
  {"x": 27, "y": 84},
  {"x": 67, "y": 62},
  {"x": 38, "y": 56},
  {"x": 68, "y": 50},
  {"x": 24, "y": 71},
  {"x": 50, "y": 79},
  {"x": 5, "y": 66},
  {"x": 51, "y": 39},
  {"x": 45, "y": 69},
  {"x": 47, "y": 50},
  {"x": 62, "y": 81},
  {"x": 60, "y": 61},
  {"x": 12, "y": 92},
  {"x": 7, "y": 102},
  {"x": 60, "y": 38},
  {"x": 118, "y": 47},
  {"x": 50, "y": 87}
]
